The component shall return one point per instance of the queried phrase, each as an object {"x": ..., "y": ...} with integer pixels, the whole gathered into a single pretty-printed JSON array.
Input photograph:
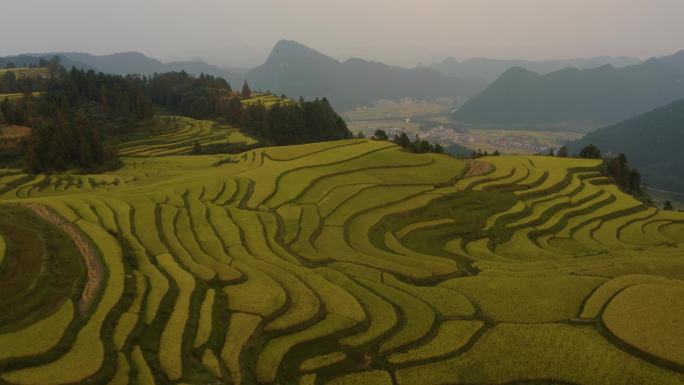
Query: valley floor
[{"x": 348, "y": 262}]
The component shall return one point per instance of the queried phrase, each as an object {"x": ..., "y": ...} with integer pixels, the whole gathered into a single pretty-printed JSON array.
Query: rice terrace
[
  {"x": 345, "y": 262},
  {"x": 446, "y": 193}
]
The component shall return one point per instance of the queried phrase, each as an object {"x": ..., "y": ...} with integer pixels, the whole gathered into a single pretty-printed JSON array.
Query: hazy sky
[{"x": 241, "y": 32}]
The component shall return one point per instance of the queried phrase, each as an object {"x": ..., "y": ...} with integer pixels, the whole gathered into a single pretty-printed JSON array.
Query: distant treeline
[
  {"x": 78, "y": 110},
  {"x": 418, "y": 145}
]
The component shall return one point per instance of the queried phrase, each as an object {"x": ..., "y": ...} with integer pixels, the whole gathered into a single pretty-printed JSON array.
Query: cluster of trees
[
  {"x": 70, "y": 117},
  {"x": 209, "y": 97},
  {"x": 479, "y": 153},
  {"x": 292, "y": 123},
  {"x": 418, "y": 145},
  {"x": 65, "y": 139},
  {"x": 617, "y": 168},
  {"x": 625, "y": 176},
  {"x": 201, "y": 97}
]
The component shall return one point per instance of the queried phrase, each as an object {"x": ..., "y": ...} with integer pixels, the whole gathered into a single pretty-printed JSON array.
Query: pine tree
[
  {"x": 590, "y": 152},
  {"x": 438, "y": 149},
  {"x": 246, "y": 91},
  {"x": 380, "y": 135}
]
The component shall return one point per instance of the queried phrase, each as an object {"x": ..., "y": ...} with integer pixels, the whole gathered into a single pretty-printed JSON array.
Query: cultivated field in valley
[{"x": 347, "y": 262}]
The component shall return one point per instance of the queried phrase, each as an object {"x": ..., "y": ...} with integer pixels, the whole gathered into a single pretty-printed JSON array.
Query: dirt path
[{"x": 94, "y": 267}]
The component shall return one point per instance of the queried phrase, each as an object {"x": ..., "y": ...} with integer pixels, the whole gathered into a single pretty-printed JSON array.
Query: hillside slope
[
  {"x": 348, "y": 262},
  {"x": 297, "y": 70},
  {"x": 652, "y": 142},
  {"x": 582, "y": 98}
]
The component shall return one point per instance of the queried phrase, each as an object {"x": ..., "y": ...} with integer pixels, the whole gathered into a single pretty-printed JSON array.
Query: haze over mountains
[
  {"x": 570, "y": 97},
  {"x": 491, "y": 69},
  {"x": 652, "y": 141},
  {"x": 297, "y": 70}
]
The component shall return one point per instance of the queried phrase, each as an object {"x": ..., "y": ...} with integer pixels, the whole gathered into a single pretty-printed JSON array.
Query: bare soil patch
[{"x": 94, "y": 267}]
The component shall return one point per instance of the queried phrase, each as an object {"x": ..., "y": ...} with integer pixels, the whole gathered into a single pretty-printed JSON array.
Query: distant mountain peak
[
  {"x": 518, "y": 71},
  {"x": 286, "y": 50}
]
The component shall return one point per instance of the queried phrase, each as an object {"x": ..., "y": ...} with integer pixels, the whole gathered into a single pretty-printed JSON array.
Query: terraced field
[
  {"x": 268, "y": 100},
  {"x": 181, "y": 137},
  {"x": 26, "y": 72},
  {"x": 16, "y": 96},
  {"x": 347, "y": 262}
]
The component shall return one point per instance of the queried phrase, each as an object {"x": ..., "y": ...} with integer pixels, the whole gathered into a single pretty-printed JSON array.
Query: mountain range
[
  {"x": 491, "y": 69},
  {"x": 297, "y": 70},
  {"x": 652, "y": 142},
  {"x": 577, "y": 97},
  {"x": 124, "y": 64},
  {"x": 137, "y": 63}
]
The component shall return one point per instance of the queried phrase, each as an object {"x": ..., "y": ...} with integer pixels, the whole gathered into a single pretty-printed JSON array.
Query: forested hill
[
  {"x": 653, "y": 143},
  {"x": 70, "y": 115},
  {"x": 581, "y": 98},
  {"x": 297, "y": 70}
]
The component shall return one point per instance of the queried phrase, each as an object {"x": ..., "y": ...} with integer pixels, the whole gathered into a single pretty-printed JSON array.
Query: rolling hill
[
  {"x": 337, "y": 263},
  {"x": 652, "y": 142},
  {"x": 491, "y": 69},
  {"x": 297, "y": 70},
  {"x": 586, "y": 98}
]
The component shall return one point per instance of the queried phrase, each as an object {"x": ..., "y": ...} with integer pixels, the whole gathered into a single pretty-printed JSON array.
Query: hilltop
[
  {"x": 587, "y": 98},
  {"x": 297, "y": 70},
  {"x": 652, "y": 141}
]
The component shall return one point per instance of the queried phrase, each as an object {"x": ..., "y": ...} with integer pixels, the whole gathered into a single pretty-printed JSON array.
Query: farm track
[
  {"x": 349, "y": 262},
  {"x": 94, "y": 269}
]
